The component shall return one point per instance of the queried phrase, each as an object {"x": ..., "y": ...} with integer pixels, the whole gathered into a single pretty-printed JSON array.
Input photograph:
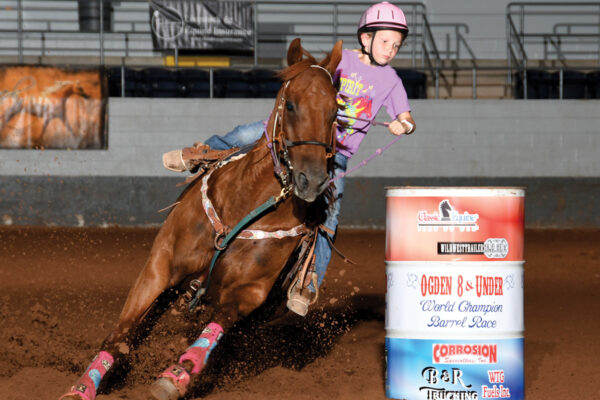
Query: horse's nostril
[{"x": 302, "y": 181}]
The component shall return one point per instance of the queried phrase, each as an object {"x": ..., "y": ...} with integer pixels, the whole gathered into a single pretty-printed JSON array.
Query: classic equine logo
[
  {"x": 447, "y": 353},
  {"x": 447, "y": 218}
]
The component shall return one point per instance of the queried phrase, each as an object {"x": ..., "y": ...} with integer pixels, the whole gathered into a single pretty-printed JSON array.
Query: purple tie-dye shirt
[{"x": 365, "y": 88}]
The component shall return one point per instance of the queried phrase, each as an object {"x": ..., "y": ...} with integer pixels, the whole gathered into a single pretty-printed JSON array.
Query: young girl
[{"x": 366, "y": 82}]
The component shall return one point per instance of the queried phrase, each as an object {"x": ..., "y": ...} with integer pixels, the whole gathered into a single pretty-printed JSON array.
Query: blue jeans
[
  {"x": 240, "y": 136},
  {"x": 243, "y": 135},
  {"x": 323, "y": 249}
]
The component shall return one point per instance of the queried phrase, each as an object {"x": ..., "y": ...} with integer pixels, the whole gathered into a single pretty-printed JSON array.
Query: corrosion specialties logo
[{"x": 449, "y": 353}]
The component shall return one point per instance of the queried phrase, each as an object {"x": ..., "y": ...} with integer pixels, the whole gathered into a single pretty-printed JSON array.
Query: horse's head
[{"x": 302, "y": 124}]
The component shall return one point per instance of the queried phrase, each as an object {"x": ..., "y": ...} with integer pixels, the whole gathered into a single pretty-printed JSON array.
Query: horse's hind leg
[{"x": 154, "y": 279}]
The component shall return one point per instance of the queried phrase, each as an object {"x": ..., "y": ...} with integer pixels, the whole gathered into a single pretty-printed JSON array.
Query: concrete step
[
  {"x": 570, "y": 64},
  {"x": 489, "y": 83},
  {"x": 466, "y": 92},
  {"x": 482, "y": 77}
]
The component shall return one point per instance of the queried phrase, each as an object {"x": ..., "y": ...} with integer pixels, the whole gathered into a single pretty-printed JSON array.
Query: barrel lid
[{"x": 455, "y": 191}]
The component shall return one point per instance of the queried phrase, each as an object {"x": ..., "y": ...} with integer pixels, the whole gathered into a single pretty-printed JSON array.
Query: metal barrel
[{"x": 454, "y": 301}]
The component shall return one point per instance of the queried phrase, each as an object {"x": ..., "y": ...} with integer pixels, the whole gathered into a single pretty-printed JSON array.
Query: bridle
[{"x": 279, "y": 144}]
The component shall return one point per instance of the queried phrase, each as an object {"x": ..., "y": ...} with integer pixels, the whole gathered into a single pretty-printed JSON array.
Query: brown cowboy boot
[
  {"x": 194, "y": 158},
  {"x": 186, "y": 159},
  {"x": 173, "y": 161}
]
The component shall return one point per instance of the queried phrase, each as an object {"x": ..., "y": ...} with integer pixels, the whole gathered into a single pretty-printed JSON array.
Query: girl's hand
[{"x": 398, "y": 128}]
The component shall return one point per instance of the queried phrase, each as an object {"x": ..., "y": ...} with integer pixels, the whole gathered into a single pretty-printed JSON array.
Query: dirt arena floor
[{"x": 61, "y": 291}]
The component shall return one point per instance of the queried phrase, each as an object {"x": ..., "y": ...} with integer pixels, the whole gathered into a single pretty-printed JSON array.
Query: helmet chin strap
[{"x": 370, "y": 53}]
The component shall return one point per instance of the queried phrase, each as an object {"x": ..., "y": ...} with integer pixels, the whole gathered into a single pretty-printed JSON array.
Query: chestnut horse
[{"x": 297, "y": 147}]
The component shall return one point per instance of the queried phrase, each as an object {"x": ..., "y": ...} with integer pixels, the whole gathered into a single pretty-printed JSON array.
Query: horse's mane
[
  {"x": 296, "y": 69},
  {"x": 302, "y": 65}
]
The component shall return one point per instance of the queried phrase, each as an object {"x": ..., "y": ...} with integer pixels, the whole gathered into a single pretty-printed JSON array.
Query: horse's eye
[{"x": 289, "y": 106}]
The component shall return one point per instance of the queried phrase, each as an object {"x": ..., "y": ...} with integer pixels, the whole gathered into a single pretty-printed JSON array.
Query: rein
[
  {"x": 378, "y": 152},
  {"x": 364, "y": 162},
  {"x": 370, "y": 121}
]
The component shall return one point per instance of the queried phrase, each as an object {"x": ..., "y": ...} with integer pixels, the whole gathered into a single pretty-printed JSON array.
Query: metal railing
[
  {"x": 562, "y": 44},
  {"x": 39, "y": 29},
  {"x": 454, "y": 40},
  {"x": 452, "y": 52},
  {"x": 515, "y": 52},
  {"x": 45, "y": 28},
  {"x": 321, "y": 24},
  {"x": 583, "y": 43}
]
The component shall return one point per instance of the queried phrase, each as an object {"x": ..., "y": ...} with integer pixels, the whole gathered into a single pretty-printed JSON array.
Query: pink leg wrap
[
  {"x": 87, "y": 385},
  {"x": 199, "y": 351}
]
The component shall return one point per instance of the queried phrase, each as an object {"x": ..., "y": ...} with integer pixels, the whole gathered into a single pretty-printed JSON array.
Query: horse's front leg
[
  {"x": 154, "y": 279},
  {"x": 234, "y": 304}
]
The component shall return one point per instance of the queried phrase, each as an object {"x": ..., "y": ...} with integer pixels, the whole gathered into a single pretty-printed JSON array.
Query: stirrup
[
  {"x": 299, "y": 299},
  {"x": 298, "y": 304}
]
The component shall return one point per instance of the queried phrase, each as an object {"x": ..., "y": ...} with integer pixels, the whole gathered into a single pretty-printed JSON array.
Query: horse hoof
[
  {"x": 71, "y": 396},
  {"x": 164, "y": 389}
]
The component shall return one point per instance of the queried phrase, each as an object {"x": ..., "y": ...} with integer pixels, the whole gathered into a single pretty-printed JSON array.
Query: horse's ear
[
  {"x": 333, "y": 59},
  {"x": 295, "y": 52}
]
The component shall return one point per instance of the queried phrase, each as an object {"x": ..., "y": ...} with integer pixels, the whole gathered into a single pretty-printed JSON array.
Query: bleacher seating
[
  {"x": 593, "y": 84},
  {"x": 542, "y": 84},
  {"x": 131, "y": 82},
  {"x": 574, "y": 84},
  {"x": 266, "y": 82},
  {"x": 415, "y": 83},
  {"x": 193, "y": 82},
  {"x": 231, "y": 83},
  {"x": 227, "y": 82},
  {"x": 159, "y": 82},
  {"x": 113, "y": 76}
]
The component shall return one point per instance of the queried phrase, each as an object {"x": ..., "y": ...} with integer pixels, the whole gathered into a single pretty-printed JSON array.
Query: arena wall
[{"x": 550, "y": 147}]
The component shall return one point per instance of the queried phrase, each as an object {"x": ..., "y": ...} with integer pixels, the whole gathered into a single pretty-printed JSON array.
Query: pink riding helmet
[{"x": 382, "y": 16}]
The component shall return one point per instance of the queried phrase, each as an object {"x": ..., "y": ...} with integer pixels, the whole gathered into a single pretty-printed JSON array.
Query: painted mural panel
[{"x": 52, "y": 108}]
